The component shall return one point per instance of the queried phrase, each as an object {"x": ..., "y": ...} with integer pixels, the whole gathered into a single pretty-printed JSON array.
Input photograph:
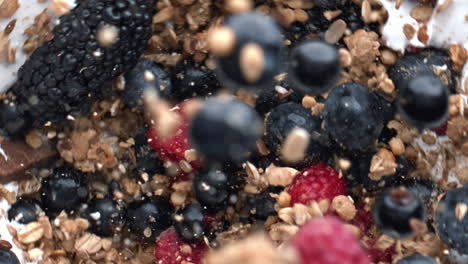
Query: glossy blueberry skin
[
  {"x": 8, "y": 257},
  {"x": 252, "y": 27},
  {"x": 105, "y": 216},
  {"x": 191, "y": 80},
  {"x": 148, "y": 217},
  {"x": 315, "y": 67},
  {"x": 225, "y": 130},
  {"x": 188, "y": 223},
  {"x": 424, "y": 101},
  {"x": 417, "y": 259},
  {"x": 25, "y": 210}
]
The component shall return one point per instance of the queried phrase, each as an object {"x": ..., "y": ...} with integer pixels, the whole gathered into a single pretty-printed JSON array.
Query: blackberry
[
  {"x": 8, "y": 257},
  {"x": 451, "y": 225},
  {"x": 64, "y": 76},
  {"x": 105, "y": 216},
  {"x": 315, "y": 67},
  {"x": 394, "y": 209},
  {"x": 146, "y": 74},
  {"x": 284, "y": 118},
  {"x": 353, "y": 116},
  {"x": 191, "y": 80},
  {"x": 329, "y": 4},
  {"x": 262, "y": 205},
  {"x": 11, "y": 120},
  {"x": 417, "y": 259},
  {"x": 427, "y": 61},
  {"x": 248, "y": 48},
  {"x": 213, "y": 188},
  {"x": 148, "y": 217},
  {"x": 25, "y": 210},
  {"x": 269, "y": 97},
  {"x": 424, "y": 101},
  {"x": 147, "y": 160},
  {"x": 65, "y": 189},
  {"x": 188, "y": 223},
  {"x": 225, "y": 130}
]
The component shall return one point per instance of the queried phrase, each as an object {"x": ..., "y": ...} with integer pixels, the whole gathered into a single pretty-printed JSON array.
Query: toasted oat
[
  {"x": 88, "y": 243},
  {"x": 8, "y": 8},
  {"x": 409, "y": 31},
  {"x": 336, "y": 31},
  {"x": 344, "y": 207},
  {"x": 397, "y": 146},
  {"x": 308, "y": 101},
  {"x": 345, "y": 57},
  {"x": 31, "y": 233},
  {"x": 388, "y": 57},
  {"x": 383, "y": 163},
  {"x": 280, "y": 176},
  {"x": 332, "y": 14},
  {"x": 421, "y": 13},
  {"x": 61, "y": 7}
]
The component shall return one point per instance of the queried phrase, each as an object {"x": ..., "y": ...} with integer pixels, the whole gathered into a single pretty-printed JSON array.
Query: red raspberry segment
[
  {"x": 171, "y": 249},
  {"x": 315, "y": 184},
  {"x": 328, "y": 241}
]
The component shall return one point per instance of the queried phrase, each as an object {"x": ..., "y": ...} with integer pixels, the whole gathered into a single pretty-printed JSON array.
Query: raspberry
[
  {"x": 328, "y": 241},
  {"x": 315, "y": 184},
  {"x": 173, "y": 148},
  {"x": 171, "y": 249}
]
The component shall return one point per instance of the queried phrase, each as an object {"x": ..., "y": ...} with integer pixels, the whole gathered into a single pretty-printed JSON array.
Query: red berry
[
  {"x": 315, "y": 184},
  {"x": 441, "y": 130},
  {"x": 173, "y": 148},
  {"x": 328, "y": 241},
  {"x": 171, "y": 249},
  {"x": 377, "y": 255}
]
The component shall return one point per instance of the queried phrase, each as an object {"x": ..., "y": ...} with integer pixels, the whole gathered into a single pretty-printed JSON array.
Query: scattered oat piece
[
  {"x": 308, "y": 101},
  {"x": 336, "y": 31},
  {"x": 332, "y": 14},
  {"x": 8, "y": 8},
  {"x": 280, "y": 176},
  {"x": 252, "y": 62},
  {"x": 61, "y": 7},
  {"x": 397, "y": 146},
  {"x": 221, "y": 41},
  {"x": 31, "y": 233},
  {"x": 238, "y": 6},
  {"x": 423, "y": 36},
  {"x": 383, "y": 163},
  {"x": 444, "y": 5},
  {"x": 345, "y": 58},
  {"x": 409, "y": 31},
  {"x": 344, "y": 207},
  {"x": 388, "y": 57},
  {"x": 88, "y": 243},
  {"x": 421, "y": 13},
  {"x": 459, "y": 56},
  {"x": 366, "y": 11},
  {"x": 295, "y": 145}
]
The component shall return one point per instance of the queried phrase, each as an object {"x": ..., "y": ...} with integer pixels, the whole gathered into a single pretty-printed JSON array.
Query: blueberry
[
  {"x": 426, "y": 191},
  {"x": 284, "y": 118},
  {"x": 12, "y": 122},
  {"x": 65, "y": 189},
  {"x": 353, "y": 116},
  {"x": 191, "y": 80},
  {"x": 417, "y": 259},
  {"x": 451, "y": 226},
  {"x": 148, "y": 217},
  {"x": 424, "y": 101},
  {"x": 262, "y": 205},
  {"x": 315, "y": 67},
  {"x": 147, "y": 159},
  {"x": 255, "y": 56},
  {"x": 105, "y": 216},
  {"x": 188, "y": 223},
  {"x": 25, "y": 210},
  {"x": 213, "y": 188},
  {"x": 146, "y": 74},
  {"x": 8, "y": 257},
  {"x": 394, "y": 209},
  {"x": 225, "y": 130}
]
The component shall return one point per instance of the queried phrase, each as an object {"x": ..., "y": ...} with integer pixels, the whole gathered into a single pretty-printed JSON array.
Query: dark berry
[
  {"x": 417, "y": 259},
  {"x": 426, "y": 61},
  {"x": 146, "y": 74},
  {"x": 105, "y": 216},
  {"x": 191, "y": 80},
  {"x": 256, "y": 54},
  {"x": 8, "y": 257},
  {"x": 283, "y": 119},
  {"x": 148, "y": 217},
  {"x": 451, "y": 225},
  {"x": 328, "y": 4},
  {"x": 65, "y": 189},
  {"x": 64, "y": 76},
  {"x": 315, "y": 67},
  {"x": 426, "y": 191},
  {"x": 189, "y": 223},
  {"x": 353, "y": 116},
  {"x": 394, "y": 209},
  {"x": 424, "y": 101},
  {"x": 25, "y": 210},
  {"x": 213, "y": 188},
  {"x": 12, "y": 123},
  {"x": 262, "y": 205},
  {"x": 225, "y": 130},
  {"x": 147, "y": 159}
]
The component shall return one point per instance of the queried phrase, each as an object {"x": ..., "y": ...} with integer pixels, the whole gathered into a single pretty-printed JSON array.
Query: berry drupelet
[
  {"x": 147, "y": 160},
  {"x": 171, "y": 249},
  {"x": 248, "y": 48},
  {"x": 283, "y": 119},
  {"x": 225, "y": 130},
  {"x": 353, "y": 116},
  {"x": 314, "y": 67},
  {"x": 146, "y": 74},
  {"x": 65, "y": 190},
  {"x": 262, "y": 205},
  {"x": 213, "y": 188},
  {"x": 148, "y": 217},
  {"x": 450, "y": 220},
  {"x": 189, "y": 223},
  {"x": 64, "y": 76},
  {"x": 105, "y": 216},
  {"x": 8, "y": 257},
  {"x": 417, "y": 259},
  {"x": 25, "y": 210},
  {"x": 424, "y": 101},
  {"x": 394, "y": 209}
]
